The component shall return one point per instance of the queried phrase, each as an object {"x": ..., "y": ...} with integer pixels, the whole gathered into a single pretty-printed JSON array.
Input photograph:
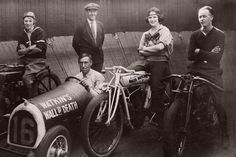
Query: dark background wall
[{"x": 60, "y": 17}]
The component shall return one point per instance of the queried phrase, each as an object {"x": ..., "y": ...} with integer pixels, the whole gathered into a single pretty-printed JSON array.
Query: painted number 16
[{"x": 22, "y": 130}]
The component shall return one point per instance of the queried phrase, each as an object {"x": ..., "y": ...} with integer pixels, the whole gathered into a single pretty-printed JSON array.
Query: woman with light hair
[{"x": 31, "y": 49}]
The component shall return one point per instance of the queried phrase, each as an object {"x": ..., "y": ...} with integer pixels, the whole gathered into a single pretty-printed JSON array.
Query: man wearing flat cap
[{"x": 89, "y": 37}]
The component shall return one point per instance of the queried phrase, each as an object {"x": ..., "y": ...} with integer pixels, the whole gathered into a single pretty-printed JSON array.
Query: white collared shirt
[
  {"x": 93, "y": 79},
  {"x": 95, "y": 26}
]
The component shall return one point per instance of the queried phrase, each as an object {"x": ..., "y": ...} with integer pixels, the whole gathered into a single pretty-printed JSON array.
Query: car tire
[{"x": 56, "y": 140}]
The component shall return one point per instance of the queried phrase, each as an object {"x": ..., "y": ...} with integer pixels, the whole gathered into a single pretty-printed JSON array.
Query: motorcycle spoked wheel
[
  {"x": 100, "y": 139},
  {"x": 208, "y": 129},
  {"x": 175, "y": 136}
]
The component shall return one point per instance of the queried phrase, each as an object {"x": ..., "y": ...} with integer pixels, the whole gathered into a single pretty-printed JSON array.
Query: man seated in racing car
[{"x": 90, "y": 78}]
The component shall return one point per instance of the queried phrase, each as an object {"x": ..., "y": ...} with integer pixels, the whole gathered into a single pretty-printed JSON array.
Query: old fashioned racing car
[{"x": 40, "y": 126}]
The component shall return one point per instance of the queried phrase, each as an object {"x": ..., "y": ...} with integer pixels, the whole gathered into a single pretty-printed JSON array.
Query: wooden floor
[{"x": 120, "y": 49}]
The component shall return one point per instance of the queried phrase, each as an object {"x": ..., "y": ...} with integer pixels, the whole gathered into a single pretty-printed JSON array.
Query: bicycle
[
  {"x": 127, "y": 93},
  {"x": 12, "y": 87},
  {"x": 192, "y": 111}
]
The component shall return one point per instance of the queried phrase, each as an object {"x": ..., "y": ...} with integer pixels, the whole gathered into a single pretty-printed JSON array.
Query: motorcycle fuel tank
[{"x": 134, "y": 79}]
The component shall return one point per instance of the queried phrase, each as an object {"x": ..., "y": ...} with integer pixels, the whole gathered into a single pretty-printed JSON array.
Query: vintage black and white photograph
[{"x": 117, "y": 78}]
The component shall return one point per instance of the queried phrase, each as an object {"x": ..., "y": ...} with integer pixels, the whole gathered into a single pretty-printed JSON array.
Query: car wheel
[{"x": 56, "y": 142}]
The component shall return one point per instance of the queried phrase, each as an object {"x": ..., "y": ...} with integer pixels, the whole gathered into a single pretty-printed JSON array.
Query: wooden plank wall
[
  {"x": 60, "y": 17},
  {"x": 120, "y": 49}
]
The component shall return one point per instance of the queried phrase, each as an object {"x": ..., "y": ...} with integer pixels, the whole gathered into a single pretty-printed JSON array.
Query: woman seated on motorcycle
[
  {"x": 31, "y": 49},
  {"x": 90, "y": 79},
  {"x": 155, "y": 48}
]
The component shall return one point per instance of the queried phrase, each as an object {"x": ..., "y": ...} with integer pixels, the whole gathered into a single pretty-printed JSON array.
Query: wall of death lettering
[{"x": 58, "y": 106}]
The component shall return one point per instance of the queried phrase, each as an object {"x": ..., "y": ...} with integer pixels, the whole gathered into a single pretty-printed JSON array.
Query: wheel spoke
[
  {"x": 46, "y": 84},
  {"x": 102, "y": 136},
  {"x": 59, "y": 144},
  {"x": 99, "y": 138}
]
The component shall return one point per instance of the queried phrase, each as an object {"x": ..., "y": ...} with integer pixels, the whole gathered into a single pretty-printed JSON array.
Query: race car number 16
[{"x": 23, "y": 132}]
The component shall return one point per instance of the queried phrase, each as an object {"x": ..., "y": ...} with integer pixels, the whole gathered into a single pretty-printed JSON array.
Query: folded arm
[{"x": 197, "y": 54}]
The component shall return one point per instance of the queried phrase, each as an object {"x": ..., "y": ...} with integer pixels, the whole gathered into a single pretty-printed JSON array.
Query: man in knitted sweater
[{"x": 206, "y": 48}]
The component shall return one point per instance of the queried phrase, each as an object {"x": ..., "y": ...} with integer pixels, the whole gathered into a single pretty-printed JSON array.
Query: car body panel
[{"x": 65, "y": 102}]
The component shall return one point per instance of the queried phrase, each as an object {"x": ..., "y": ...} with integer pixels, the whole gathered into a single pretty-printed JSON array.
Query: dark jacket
[
  {"x": 83, "y": 41},
  {"x": 37, "y": 37}
]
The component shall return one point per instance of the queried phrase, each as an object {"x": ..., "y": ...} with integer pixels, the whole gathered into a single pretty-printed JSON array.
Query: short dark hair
[
  {"x": 210, "y": 9},
  {"x": 158, "y": 12},
  {"x": 86, "y": 55}
]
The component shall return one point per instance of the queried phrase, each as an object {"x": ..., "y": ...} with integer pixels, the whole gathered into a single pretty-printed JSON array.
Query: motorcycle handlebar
[
  {"x": 12, "y": 65},
  {"x": 119, "y": 68},
  {"x": 209, "y": 82},
  {"x": 186, "y": 76}
]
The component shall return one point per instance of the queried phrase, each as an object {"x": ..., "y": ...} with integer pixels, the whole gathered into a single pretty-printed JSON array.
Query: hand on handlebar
[
  {"x": 22, "y": 46},
  {"x": 85, "y": 84}
]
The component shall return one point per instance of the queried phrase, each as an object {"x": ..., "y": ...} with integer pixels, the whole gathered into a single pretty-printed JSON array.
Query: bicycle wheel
[
  {"x": 175, "y": 134},
  {"x": 100, "y": 139},
  {"x": 47, "y": 82}
]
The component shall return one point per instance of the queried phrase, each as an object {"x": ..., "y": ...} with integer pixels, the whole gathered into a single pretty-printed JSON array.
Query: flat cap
[{"x": 91, "y": 6}]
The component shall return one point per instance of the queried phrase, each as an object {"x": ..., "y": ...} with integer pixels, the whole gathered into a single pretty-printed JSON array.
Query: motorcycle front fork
[{"x": 147, "y": 102}]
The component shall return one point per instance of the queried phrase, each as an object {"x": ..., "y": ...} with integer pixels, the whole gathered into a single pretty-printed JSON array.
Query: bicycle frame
[{"x": 114, "y": 92}]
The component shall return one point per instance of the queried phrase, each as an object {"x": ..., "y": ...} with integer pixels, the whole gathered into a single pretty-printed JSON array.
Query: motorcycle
[
  {"x": 127, "y": 95},
  {"x": 193, "y": 113},
  {"x": 12, "y": 88}
]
